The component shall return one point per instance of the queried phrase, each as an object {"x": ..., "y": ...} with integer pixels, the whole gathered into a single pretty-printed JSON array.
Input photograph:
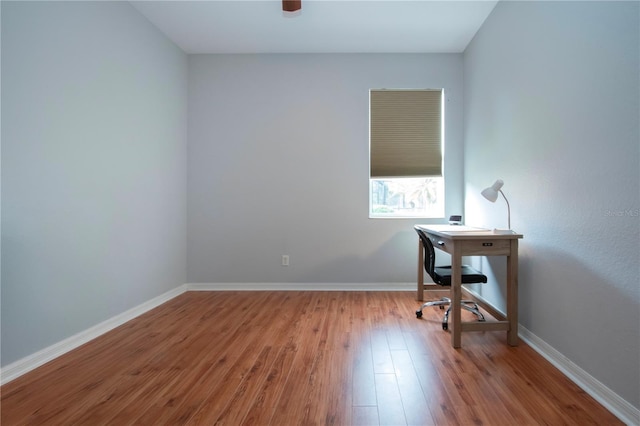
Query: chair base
[{"x": 468, "y": 305}]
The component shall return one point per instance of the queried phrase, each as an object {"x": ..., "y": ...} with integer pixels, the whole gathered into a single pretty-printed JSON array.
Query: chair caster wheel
[
  {"x": 445, "y": 326},
  {"x": 418, "y": 314}
]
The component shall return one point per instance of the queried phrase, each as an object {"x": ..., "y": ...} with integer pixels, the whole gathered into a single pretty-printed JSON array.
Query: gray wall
[
  {"x": 278, "y": 164},
  {"x": 551, "y": 107},
  {"x": 94, "y": 103}
]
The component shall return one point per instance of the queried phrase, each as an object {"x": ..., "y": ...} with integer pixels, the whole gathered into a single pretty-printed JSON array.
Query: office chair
[{"x": 441, "y": 275}]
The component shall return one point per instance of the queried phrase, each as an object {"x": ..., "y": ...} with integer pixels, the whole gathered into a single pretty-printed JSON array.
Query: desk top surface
[{"x": 463, "y": 231}]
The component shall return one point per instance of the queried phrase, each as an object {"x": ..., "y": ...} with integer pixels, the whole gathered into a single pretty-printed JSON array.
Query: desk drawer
[
  {"x": 473, "y": 246},
  {"x": 490, "y": 247}
]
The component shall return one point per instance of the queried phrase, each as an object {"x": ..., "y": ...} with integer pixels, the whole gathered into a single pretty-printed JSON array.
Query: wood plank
[
  {"x": 276, "y": 358},
  {"x": 484, "y": 326},
  {"x": 365, "y": 416},
  {"x": 390, "y": 410}
]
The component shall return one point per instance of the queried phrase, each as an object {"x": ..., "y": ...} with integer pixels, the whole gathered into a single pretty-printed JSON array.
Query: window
[
  {"x": 406, "y": 197},
  {"x": 405, "y": 153}
]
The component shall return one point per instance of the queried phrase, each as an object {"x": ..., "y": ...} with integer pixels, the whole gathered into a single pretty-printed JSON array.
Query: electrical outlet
[{"x": 285, "y": 260}]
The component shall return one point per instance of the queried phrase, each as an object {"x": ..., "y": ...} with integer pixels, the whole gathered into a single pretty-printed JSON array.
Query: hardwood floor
[{"x": 296, "y": 358}]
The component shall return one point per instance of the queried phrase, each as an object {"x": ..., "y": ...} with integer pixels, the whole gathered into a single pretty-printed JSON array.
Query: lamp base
[{"x": 503, "y": 231}]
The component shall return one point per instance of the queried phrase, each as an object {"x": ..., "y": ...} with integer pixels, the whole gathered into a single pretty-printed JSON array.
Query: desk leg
[
  {"x": 456, "y": 297},
  {"x": 420, "y": 270},
  {"x": 512, "y": 294}
]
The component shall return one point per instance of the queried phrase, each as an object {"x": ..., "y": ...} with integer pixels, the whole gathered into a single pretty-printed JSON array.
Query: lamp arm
[{"x": 508, "y": 208}]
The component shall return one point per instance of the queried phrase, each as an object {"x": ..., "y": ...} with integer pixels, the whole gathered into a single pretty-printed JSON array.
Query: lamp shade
[{"x": 491, "y": 193}]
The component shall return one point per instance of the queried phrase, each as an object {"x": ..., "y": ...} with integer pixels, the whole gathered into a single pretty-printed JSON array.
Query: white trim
[
  {"x": 301, "y": 286},
  {"x": 622, "y": 409},
  {"x": 18, "y": 368}
]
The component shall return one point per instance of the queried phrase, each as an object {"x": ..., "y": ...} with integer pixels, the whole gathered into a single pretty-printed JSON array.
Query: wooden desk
[{"x": 461, "y": 241}]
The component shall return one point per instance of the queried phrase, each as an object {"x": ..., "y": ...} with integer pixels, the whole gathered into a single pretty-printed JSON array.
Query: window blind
[{"x": 405, "y": 133}]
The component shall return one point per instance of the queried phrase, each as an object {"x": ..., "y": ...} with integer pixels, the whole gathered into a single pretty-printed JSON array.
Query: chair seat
[
  {"x": 469, "y": 275},
  {"x": 442, "y": 275}
]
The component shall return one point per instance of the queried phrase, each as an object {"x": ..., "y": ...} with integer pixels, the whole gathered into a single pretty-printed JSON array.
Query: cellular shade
[{"x": 405, "y": 133}]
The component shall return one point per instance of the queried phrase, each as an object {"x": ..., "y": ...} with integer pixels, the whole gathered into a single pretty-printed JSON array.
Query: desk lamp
[{"x": 491, "y": 194}]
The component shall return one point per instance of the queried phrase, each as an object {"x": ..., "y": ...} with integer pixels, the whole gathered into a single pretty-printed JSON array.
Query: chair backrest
[{"x": 429, "y": 254}]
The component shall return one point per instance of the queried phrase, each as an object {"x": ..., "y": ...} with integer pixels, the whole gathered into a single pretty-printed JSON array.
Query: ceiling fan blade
[{"x": 291, "y": 5}]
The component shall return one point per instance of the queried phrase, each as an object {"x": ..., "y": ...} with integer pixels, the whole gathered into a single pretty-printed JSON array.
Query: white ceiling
[{"x": 322, "y": 26}]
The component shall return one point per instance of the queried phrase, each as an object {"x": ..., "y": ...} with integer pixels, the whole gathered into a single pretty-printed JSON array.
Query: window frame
[{"x": 438, "y": 211}]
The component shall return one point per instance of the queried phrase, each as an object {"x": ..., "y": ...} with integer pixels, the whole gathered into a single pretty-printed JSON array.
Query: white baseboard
[
  {"x": 622, "y": 409},
  {"x": 301, "y": 286},
  {"x": 18, "y": 368}
]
